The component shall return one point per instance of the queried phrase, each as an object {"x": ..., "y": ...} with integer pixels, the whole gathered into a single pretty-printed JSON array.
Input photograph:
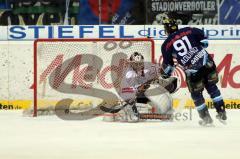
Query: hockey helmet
[
  {"x": 170, "y": 25},
  {"x": 136, "y": 61}
]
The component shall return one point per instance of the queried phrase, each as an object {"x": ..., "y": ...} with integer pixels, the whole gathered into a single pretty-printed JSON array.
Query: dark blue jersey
[{"x": 187, "y": 46}]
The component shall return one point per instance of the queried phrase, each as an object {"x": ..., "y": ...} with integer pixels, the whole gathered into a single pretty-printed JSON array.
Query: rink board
[{"x": 16, "y": 59}]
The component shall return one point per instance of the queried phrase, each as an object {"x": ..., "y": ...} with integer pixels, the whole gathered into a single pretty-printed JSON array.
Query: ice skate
[
  {"x": 206, "y": 118},
  {"x": 206, "y": 121},
  {"x": 222, "y": 117}
]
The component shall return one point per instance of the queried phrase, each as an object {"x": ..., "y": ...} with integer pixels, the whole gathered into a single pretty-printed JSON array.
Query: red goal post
[{"x": 64, "y": 57}]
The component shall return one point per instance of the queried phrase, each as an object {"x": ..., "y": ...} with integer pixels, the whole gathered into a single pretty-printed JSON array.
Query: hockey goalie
[{"x": 144, "y": 94}]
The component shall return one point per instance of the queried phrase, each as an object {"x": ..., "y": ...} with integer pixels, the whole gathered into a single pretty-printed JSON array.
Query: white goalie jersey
[
  {"x": 161, "y": 103},
  {"x": 137, "y": 83},
  {"x": 133, "y": 79}
]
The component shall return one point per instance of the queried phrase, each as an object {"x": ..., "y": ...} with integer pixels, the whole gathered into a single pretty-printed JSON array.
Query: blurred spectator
[
  {"x": 139, "y": 12},
  {"x": 93, "y": 12},
  {"x": 110, "y": 12},
  {"x": 38, "y": 12}
]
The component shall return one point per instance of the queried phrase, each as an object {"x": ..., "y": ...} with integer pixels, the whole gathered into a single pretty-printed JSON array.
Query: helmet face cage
[{"x": 136, "y": 61}]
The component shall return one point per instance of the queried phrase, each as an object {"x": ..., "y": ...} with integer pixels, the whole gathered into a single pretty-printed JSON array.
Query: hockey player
[
  {"x": 187, "y": 46},
  {"x": 135, "y": 84}
]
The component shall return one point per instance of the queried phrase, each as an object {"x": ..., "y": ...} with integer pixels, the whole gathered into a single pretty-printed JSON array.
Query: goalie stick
[
  {"x": 116, "y": 109},
  {"x": 155, "y": 116}
]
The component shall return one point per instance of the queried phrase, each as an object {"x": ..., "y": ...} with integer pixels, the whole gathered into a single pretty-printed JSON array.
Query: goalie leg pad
[{"x": 161, "y": 100}]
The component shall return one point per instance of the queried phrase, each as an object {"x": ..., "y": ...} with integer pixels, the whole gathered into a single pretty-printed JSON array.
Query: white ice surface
[{"x": 49, "y": 137}]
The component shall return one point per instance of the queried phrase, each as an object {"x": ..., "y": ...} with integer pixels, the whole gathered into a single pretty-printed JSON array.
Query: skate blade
[{"x": 224, "y": 122}]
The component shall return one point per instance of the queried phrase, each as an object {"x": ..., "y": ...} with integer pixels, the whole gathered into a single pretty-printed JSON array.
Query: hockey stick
[
  {"x": 155, "y": 116},
  {"x": 116, "y": 109},
  {"x": 113, "y": 110}
]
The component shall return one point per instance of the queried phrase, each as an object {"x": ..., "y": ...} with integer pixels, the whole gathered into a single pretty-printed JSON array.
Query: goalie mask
[{"x": 136, "y": 61}]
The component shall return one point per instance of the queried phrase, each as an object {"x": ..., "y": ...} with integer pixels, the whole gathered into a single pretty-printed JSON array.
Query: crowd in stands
[{"x": 93, "y": 12}]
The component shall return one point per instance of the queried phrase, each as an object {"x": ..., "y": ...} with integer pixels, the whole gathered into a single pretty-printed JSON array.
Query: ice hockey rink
[
  {"x": 78, "y": 55},
  {"x": 49, "y": 137}
]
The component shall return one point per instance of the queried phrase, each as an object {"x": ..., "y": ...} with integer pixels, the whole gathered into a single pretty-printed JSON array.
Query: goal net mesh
[{"x": 85, "y": 71}]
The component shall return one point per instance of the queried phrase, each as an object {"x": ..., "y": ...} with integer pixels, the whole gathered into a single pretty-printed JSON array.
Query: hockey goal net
[{"x": 80, "y": 69}]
